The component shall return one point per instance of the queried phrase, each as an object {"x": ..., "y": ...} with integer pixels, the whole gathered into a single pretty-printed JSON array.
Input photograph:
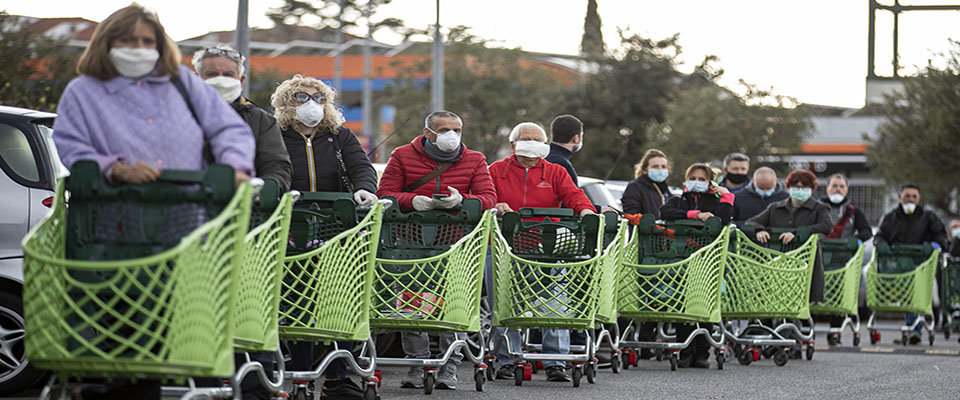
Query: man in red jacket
[
  {"x": 437, "y": 163},
  {"x": 436, "y": 171},
  {"x": 525, "y": 179}
]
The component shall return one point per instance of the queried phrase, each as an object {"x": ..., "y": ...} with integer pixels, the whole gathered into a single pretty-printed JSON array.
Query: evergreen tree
[{"x": 592, "y": 43}]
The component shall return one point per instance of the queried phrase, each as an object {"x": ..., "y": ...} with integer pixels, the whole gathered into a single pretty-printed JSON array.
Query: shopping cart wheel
[
  {"x": 674, "y": 360},
  {"x": 833, "y": 339},
  {"x": 946, "y": 334},
  {"x": 429, "y": 379},
  {"x": 874, "y": 337},
  {"x": 932, "y": 337},
  {"x": 616, "y": 363},
  {"x": 904, "y": 338},
  {"x": 810, "y": 350},
  {"x": 634, "y": 359},
  {"x": 780, "y": 358},
  {"x": 856, "y": 339},
  {"x": 721, "y": 358},
  {"x": 659, "y": 354},
  {"x": 518, "y": 374},
  {"x": 592, "y": 373},
  {"x": 491, "y": 372},
  {"x": 479, "y": 379},
  {"x": 370, "y": 393},
  {"x": 577, "y": 375},
  {"x": 745, "y": 357},
  {"x": 527, "y": 372}
]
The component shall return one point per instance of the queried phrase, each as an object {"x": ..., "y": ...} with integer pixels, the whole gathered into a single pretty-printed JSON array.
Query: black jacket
[
  {"x": 561, "y": 156},
  {"x": 811, "y": 213},
  {"x": 955, "y": 247},
  {"x": 644, "y": 196},
  {"x": 921, "y": 226},
  {"x": 677, "y": 207},
  {"x": 749, "y": 203},
  {"x": 325, "y": 165},
  {"x": 857, "y": 225},
  {"x": 271, "y": 159}
]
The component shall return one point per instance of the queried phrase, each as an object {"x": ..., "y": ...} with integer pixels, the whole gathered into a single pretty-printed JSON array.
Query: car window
[
  {"x": 16, "y": 155},
  {"x": 60, "y": 171}
]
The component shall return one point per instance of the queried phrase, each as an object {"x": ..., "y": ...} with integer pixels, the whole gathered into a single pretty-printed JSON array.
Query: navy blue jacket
[
  {"x": 561, "y": 156},
  {"x": 749, "y": 203}
]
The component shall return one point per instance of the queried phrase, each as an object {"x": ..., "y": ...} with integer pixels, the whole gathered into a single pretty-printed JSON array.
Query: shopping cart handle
[
  {"x": 529, "y": 212},
  {"x": 325, "y": 196}
]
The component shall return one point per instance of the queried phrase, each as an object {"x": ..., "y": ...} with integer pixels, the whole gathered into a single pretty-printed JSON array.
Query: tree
[
  {"x": 918, "y": 142},
  {"x": 706, "y": 121},
  {"x": 323, "y": 13},
  {"x": 617, "y": 98},
  {"x": 592, "y": 43},
  {"x": 492, "y": 89},
  {"x": 35, "y": 69}
]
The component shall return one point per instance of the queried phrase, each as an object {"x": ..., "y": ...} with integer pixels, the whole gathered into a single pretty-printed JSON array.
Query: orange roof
[{"x": 833, "y": 148}]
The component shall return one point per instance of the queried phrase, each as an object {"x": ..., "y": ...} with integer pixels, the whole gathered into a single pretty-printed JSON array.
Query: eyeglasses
[
  {"x": 302, "y": 97},
  {"x": 232, "y": 54}
]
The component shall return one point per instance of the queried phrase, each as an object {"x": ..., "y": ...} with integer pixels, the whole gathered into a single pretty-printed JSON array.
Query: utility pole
[
  {"x": 436, "y": 84},
  {"x": 338, "y": 58},
  {"x": 367, "y": 83},
  {"x": 242, "y": 41}
]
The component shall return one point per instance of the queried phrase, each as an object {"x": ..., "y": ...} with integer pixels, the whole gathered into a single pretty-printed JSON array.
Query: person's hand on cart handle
[
  {"x": 422, "y": 203},
  {"x": 239, "y": 177},
  {"x": 763, "y": 236},
  {"x": 364, "y": 198},
  {"x": 586, "y": 211},
  {"x": 140, "y": 172},
  {"x": 786, "y": 237},
  {"x": 503, "y": 208},
  {"x": 703, "y": 216}
]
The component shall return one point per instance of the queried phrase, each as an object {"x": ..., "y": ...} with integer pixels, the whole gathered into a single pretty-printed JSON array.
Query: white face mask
[
  {"x": 134, "y": 63},
  {"x": 909, "y": 208},
  {"x": 578, "y": 146},
  {"x": 532, "y": 149},
  {"x": 310, "y": 113},
  {"x": 228, "y": 88},
  {"x": 447, "y": 141},
  {"x": 836, "y": 198}
]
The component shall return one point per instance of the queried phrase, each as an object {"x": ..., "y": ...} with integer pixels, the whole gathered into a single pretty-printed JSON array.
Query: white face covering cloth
[
  {"x": 134, "y": 63},
  {"x": 228, "y": 88},
  {"x": 532, "y": 149}
]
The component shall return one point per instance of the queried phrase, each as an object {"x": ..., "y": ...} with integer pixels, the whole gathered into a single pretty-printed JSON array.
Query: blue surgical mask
[
  {"x": 698, "y": 186},
  {"x": 800, "y": 194},
  {"x": 956, "y": 232},
  {"x": 766, "y": 193},
  {"x": 658, "y": 175}
]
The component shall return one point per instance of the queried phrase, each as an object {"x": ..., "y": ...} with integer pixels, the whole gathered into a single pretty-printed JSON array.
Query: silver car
[{"x": 30, "y": 167}]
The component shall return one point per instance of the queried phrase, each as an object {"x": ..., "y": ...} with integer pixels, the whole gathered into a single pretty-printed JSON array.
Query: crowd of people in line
[{"x": 136, "y": 110}]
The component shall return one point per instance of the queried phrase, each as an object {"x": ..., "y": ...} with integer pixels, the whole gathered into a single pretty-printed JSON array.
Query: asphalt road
[{"x": 885, "y": 371}]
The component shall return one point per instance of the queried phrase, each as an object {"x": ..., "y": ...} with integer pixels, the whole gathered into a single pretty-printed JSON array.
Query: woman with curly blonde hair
[{"x": 326, "y": 157}]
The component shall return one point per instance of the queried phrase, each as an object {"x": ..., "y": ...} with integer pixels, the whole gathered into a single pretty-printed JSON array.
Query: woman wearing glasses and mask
[{"x": 326, "y": 157}]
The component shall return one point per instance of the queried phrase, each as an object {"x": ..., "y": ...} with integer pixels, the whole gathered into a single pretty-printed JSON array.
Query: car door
[{"x": 23, "y": 178}]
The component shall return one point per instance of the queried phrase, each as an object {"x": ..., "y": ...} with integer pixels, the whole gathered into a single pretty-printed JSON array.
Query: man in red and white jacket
[{"x": 525, "y": 179}]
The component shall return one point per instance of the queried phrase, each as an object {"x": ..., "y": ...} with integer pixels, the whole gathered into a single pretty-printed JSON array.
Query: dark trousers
[
  {"x": 305, "y": 355},
  {"x": 699, "y": 348}
]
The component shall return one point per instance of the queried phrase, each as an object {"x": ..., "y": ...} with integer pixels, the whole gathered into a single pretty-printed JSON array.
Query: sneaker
[
  {"x": 915, "y": 338},
  {"x": 342, "y": 389},
  {"x": 506, "y": 372},
  {"x": 414, "y": 379},
  {"x": 447, "y": 378},
  {"x": 557, "y": 374}
]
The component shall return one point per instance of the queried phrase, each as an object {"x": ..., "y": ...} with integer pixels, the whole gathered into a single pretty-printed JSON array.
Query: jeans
[
  {"x": 555, "y": 341},
  {"x": 417, "y": 345},
  {"x": 910, "y": 319}
]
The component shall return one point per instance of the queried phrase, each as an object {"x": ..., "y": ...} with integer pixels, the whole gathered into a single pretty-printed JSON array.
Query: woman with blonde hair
[{"x": 326, "y": 157}]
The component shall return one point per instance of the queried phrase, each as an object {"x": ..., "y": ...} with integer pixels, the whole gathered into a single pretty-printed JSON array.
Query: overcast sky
[{"x": 813, "y": 50}]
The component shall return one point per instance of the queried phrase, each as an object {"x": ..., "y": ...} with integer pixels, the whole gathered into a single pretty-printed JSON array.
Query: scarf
[{"x": 439, "y": 155}]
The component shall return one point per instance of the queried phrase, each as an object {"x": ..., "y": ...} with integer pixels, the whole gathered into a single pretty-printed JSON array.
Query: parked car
[
  {"x": 30, "y": 166},
  {"x": 599, "y": 193}
]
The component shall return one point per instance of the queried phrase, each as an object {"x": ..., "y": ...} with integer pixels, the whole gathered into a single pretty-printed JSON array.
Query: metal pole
[
  {"x": 242, "y": 42},
  {"x": 368, "y": 127},
  {"x": 436, "y": 84},
  {"x": 871, "y": 39},
  {"x": 896, "y": 40},
  {"x": 338, "y": 60}
]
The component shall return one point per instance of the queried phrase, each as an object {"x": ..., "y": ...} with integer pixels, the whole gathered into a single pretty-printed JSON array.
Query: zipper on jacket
[
  {"x": 524, "y": 201},
  {"x": 438, "y": 180},
  {"x": 311, "y": 172}
]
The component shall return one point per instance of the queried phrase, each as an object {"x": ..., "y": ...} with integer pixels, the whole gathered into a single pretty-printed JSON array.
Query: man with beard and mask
[
  {"x": 758, "y": 195},
  {"x": 136, "y": 111},
  {"x": 736, "y": 166},
  {"x": 222, "y": 68},
  {"x": 525, "y": 179},
  {"x": 436, "y": 171},
  {"x": 326, "y": 157},
  {"x": 911, "y": 224}
]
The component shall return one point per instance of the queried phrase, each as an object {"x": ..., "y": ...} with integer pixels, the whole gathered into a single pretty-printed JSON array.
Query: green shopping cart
[
  {"x": 900, "y": 279},
  {"x": 842, "y": 265},
  {"x": 950, "y": 296},
  {"x": 614, "y": 239},
  {"x": 673, "y": 273},
  {"x": 327, "y": 282},
  {"x": 770, "y": 281},
  {"x": 429, "y": 277},
  {"x": 547, "y": 274},
  {"x": 136, "y": 281}
]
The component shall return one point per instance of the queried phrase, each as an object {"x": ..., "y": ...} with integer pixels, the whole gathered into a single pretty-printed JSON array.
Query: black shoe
[
  {"x": 700, "y": 363},
  {"x": 915, "y": 339},
  {"x": 340, "y": 389},
  {"x": 506, "y": 372},
  {"x": 796, "y": 353},
  {"x": 686, "y": 359},
  {"x": 557, "y": 374},
  {"x": 646, "y": 354}
]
